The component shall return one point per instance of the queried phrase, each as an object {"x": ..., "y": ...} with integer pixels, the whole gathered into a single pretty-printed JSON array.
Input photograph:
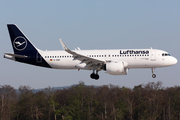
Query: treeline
[{"x": 108, "y": 102}]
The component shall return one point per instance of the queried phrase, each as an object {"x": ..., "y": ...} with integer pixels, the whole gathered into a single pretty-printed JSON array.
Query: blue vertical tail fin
[
  {"x": 24, "y": 50},
  {"x": 20, "y": 43}
]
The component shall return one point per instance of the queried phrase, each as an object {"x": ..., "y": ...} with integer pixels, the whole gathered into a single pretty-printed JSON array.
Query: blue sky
[{"x": 91, "y": 24}]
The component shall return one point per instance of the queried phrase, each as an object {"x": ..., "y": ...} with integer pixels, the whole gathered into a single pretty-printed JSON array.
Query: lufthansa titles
[{"x": 134, "y": 52}]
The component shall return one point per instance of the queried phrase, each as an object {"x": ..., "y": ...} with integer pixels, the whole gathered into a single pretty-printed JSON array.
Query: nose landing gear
[{"x": 153, "y": 75}]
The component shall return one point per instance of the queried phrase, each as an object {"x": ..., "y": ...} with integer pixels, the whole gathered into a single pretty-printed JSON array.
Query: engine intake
[{"x": 116, "y": 68}]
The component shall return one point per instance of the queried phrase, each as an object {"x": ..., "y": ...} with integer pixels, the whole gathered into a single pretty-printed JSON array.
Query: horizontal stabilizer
[{"x": 15, "y": 55}]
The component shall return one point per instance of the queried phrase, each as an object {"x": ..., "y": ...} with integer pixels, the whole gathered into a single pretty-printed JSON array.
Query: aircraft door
[
  {"x": 38, "y": 58},
  {"x": 153, "y": 55}
]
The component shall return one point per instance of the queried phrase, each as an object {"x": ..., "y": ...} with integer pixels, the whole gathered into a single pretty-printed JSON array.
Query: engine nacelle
[{"x": 116, "y": 68}]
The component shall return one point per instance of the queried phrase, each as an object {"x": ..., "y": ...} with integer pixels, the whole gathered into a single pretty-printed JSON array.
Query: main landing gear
[
  {"x": 153, "y": 75},
  {"x": 95, "y": 76}
]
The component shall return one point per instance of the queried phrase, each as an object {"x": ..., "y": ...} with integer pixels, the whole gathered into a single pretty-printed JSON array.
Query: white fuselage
[{"x": 154, "y": 58}]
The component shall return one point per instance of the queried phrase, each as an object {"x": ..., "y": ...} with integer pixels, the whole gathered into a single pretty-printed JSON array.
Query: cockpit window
[{"x": 166, "y": 54}]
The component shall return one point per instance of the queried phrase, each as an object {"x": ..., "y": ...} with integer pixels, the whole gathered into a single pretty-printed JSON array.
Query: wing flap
[{"x": 90, "y": 62}]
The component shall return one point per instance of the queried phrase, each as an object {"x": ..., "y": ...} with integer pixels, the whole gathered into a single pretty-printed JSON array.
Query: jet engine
[{"x": 116, "y": 68}]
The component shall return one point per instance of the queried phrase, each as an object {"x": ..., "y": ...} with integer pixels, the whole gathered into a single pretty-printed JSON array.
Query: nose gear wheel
[{"x": 153, "y": 71}]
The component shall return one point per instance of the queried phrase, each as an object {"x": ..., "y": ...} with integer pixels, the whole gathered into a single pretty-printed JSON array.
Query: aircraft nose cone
[{"x": 174, "y": 61}]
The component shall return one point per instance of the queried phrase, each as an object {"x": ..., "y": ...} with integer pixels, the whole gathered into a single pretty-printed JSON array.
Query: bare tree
[{"x": 8, "y": 101}]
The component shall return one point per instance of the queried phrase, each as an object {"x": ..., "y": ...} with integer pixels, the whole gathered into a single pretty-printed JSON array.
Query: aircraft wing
[{"x": 90, "y": 62}]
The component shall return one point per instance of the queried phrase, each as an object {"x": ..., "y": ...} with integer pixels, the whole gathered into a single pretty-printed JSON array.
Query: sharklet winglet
[{"x": 64, "y": 46}]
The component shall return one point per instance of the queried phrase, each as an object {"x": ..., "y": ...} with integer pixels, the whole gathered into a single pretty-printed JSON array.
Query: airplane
[{"x": 114, "y": 62}]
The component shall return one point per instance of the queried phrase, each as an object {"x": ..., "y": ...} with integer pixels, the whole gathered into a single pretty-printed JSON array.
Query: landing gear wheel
[
  {"x": 94, "y": 76},
  {"x": 154, "y": 75}
]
